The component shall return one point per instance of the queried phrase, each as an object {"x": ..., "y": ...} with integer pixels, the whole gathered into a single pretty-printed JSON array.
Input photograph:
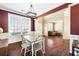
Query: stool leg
[
  {"x": 21, "y": 50},
  {"x": 35, "y": 53},
  {"x": 24, "y": 52},
  {"x": 43, "y": 53},
  {"x": 78, "y": 53}
]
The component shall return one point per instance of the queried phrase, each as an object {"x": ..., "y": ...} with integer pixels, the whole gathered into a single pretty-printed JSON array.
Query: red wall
[
  {"x": 75, "y": 19},
  {"x": 4, "y": 20}
]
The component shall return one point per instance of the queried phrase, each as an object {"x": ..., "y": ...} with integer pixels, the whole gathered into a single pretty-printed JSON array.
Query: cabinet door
[
  {"x": 75, "y": 19},
  {"x": 3, "y": 47},
  {"x": 3, "y": 51}
]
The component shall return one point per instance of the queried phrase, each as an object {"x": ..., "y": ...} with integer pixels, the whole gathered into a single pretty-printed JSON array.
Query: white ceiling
[
  {"x": 55, "y": 17},
  {"x": 39, "y": 8}
]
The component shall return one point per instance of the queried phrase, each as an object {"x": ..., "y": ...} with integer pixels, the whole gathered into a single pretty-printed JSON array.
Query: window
[{"x": 18, "y": 24}]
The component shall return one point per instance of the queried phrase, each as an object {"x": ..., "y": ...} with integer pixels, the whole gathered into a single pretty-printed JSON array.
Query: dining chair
[
  {"x": 38, "y": 44},
  {"x": 25, "y": 45}
]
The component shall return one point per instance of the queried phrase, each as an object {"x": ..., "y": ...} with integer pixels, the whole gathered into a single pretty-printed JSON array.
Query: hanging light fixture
[{"x": 31, "y": 12}]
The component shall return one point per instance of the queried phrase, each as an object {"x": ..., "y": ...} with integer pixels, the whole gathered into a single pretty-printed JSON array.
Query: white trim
[{"x": 73, "y": 4}]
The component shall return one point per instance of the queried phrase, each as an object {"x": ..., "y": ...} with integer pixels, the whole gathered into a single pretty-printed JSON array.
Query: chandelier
[{"x": 31, "y": 12}]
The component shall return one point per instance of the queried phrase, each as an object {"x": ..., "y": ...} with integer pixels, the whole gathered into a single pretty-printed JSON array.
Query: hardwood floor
[
  {"x": 56, "y": 46},
  {"x": 15, "y": 50},
  {"x": 53, "y": 46}
]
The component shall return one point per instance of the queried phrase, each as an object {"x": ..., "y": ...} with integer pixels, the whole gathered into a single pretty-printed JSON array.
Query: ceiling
[
  {"x": 55, "y": 17},
  {"x": 39, "y": 8}
]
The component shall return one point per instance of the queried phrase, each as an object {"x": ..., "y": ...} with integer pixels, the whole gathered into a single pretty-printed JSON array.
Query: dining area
[
  {"x": 32, "y": 42},
  {"x": 40, "y": 45}
]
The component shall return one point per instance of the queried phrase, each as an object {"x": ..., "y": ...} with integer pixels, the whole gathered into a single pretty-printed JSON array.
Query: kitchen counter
[
  {"x": 4, "y": 36},
  {"x": 3, "y": 44}
]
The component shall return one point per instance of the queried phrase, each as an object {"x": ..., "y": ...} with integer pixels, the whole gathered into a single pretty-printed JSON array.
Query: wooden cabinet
[
  {"x": 3, "y": 47},
  {"x": 75, "y": 19}
]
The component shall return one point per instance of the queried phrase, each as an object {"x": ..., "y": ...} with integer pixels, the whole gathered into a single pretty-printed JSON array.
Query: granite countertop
[
  {"x": 4, "y": 36},
  {"x": 74, "y": 37}
]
